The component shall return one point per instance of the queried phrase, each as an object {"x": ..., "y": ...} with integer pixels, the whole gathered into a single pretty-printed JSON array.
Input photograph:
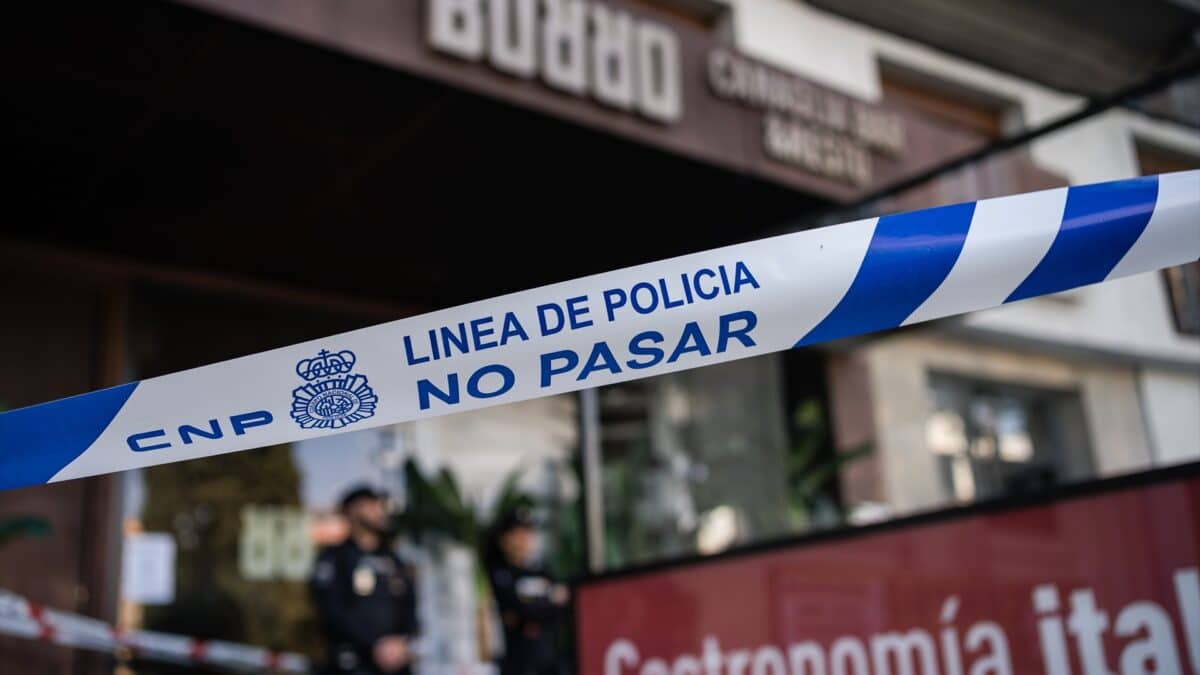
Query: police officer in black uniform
[
  {"x": 532, "y": 604},
  {"x": 364, "y": 593}
]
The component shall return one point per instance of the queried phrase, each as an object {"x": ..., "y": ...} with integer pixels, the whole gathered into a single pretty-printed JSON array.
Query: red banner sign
[{"x": 1101, "y": 581}]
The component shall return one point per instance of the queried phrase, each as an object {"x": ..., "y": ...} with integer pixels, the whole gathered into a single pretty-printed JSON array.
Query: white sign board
[{"x": 148, "y": 569}]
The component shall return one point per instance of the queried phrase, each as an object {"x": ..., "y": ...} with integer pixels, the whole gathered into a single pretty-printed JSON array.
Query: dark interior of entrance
[{"x": 157, "y": 132}]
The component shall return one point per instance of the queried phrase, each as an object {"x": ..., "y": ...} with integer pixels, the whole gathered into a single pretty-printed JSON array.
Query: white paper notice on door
[{"x": 148, "y": 569}]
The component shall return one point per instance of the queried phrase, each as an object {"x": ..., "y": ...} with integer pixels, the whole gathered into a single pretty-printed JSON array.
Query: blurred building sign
[
  {"x": 580, "y": 48},
  {"x": 274, "y": 544},
  {"x": 625, "y": 68},
  {"x": 1102, "y": 578},
  {"x": 809, "y": 127}
]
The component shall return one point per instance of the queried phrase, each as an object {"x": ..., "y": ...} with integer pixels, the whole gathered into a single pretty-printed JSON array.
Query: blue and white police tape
[{"x": 687, "y": 312}]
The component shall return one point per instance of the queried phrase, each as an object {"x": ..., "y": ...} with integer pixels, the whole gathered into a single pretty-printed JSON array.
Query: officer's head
[
  {"x": 365, "y": 508},
  {"x": 517, "y": 535}
]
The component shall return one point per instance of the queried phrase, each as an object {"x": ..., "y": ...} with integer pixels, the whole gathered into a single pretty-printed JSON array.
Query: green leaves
[
  {"x": 22, "y": 526},
  {"x": 510, "y": 498},
  {"x": 437, "y": 506},
  {"x": 812, "y": 468}
]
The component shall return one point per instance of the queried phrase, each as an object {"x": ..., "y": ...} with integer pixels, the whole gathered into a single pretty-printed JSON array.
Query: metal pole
[{"x": 593, "y": 484}]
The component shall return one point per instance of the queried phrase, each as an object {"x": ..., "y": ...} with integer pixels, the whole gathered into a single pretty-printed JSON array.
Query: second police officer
[{"x": 531, "y": 603}]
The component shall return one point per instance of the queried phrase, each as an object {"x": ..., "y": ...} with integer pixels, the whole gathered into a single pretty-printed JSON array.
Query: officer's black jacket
[
  {"x": 359, "y": 616},
  {"x": 532, "y": 622}
]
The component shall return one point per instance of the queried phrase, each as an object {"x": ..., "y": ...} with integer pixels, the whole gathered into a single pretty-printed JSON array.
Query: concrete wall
[
  {"x": 1172, "y": 404},
  {"x": 483, "y": 447}
]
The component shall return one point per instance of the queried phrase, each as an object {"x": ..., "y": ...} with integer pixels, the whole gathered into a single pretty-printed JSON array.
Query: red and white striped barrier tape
[{"x": 22, "y": 618}]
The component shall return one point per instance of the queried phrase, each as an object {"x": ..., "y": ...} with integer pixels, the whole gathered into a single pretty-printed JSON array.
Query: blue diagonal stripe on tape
[
  {"x": 1100, "y": 223},
  {"x": 37, "y": 442},
  {"x": 909, "y": 256}
]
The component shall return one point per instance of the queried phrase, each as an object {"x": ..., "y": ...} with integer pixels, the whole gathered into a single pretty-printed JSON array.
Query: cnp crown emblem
[{"x": 333, "y": 397}]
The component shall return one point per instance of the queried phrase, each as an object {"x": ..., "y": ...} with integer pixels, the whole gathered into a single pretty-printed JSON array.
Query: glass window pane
[
  {"x": 694, "y": 462},
  {"x": 993, "y": 439}
]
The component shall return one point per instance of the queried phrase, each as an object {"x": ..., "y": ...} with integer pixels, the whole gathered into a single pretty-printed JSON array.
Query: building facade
[
  {"x": 205, "y": 179},
  {"x": 1114, "y": 360}
]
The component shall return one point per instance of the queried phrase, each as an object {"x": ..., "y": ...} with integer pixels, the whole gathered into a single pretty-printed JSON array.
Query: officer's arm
[
  {"x": 410, "y": 624},
  {"x": 526, "y": 608},
  {"x": 330, "y": 589},
  {"x": 538, "y": 608}
]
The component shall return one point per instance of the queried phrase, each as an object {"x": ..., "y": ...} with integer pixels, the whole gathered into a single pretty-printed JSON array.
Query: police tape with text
[{"x": 700, "y": 309}]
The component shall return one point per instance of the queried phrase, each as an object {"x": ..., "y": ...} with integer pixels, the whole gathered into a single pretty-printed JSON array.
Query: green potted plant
[{"x": 452, "y": 529}]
